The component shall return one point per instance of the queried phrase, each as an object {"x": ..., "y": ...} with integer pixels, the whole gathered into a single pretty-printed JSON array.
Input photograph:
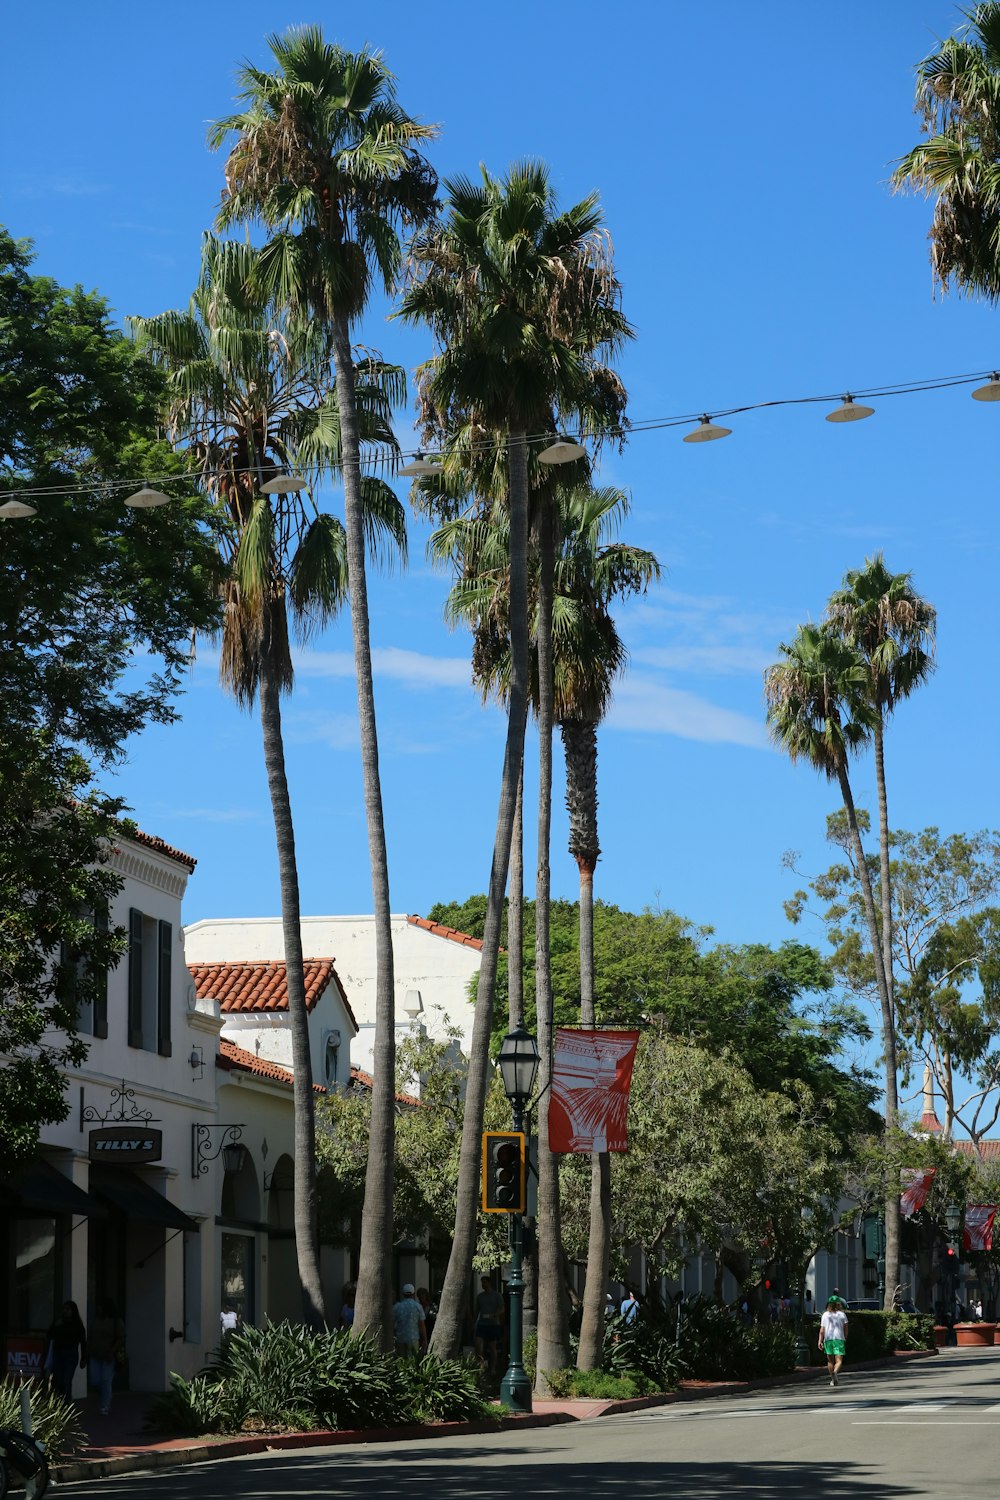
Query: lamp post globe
[{"x": 518, "y": 1063}]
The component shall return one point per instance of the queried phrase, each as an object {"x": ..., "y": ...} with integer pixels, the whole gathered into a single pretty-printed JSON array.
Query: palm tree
[
  {"x": 590, "y": 571},
  {"x": 882, "y": 616},
  {"x": 328, "y": 162},
  {"x": 246, "y": 402},
  {"x": 819, "y": 710},
  {"x": 523, "y": 303},
  {"x": 958, "y": 101}
]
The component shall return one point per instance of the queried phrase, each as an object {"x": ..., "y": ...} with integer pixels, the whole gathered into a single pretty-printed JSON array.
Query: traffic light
[{"x": 503, "y": 1172}]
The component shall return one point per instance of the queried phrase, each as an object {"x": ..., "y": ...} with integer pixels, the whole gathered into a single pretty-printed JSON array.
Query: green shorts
[{"x": 833, "y": 1347}]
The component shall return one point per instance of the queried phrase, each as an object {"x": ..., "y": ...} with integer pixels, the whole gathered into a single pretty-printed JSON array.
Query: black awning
[
  {"x": 135, "y": 1198},
  {"x": 39, "y": 1188}
]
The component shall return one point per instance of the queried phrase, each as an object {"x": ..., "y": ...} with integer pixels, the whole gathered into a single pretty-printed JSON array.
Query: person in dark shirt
[{"x": 67, "y": 1348}]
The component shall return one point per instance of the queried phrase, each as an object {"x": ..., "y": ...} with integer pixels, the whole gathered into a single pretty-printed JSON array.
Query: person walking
[
  {"x": 490, "y": 1313},
  {"x": 833, "y": 1337},
  {"x": 67, "y": 1347},
  {"x": 408, "y": 1327},
  {"x": 629, "y": 1309},
  {"x": 106, "y": 1351}
]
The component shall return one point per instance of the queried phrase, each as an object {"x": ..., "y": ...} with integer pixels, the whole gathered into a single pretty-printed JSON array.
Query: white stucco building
[
  {"x": 168, "y": 1187},
  {"x": 434, "y": 966}
]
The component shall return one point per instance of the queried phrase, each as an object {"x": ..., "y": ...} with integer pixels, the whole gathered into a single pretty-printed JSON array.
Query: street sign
[{"x": 126, "y": 1145}]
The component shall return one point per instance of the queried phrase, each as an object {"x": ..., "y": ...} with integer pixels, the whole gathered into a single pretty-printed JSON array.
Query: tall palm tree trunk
[
  {"x": 553, "y": 1313},
  {"x": 447, "y": 1337},
  {"x": 885, "y": 878},
  {"x": 892, "y": 1216},
  {"x": 580, "y": 742},
  {"x": 515, "y": 914},
  {"x": 304, "y": 1194},
  {"x": 372, "y": 1310}
]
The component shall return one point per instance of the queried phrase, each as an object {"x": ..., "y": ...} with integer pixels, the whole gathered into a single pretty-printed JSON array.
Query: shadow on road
[{"x": 461, "y": 1474}]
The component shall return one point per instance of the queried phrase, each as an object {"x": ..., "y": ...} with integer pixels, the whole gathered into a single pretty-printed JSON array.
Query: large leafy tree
[
  {"x": 820, "y": 710},
  {"x": 325, "y": 158},
  {"x": 958, "y": 101},
  {"x": 90, "y": 591},
  {"x": 246, "y": 398},
  {"x": 945, "y": 952},
  {"x": 523, "y": 302}
]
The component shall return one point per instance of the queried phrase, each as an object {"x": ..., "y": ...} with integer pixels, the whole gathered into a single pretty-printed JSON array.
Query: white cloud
[
  {"x": 214, "y": 814},
  {"x": 652, "y": 708},
  {"x": 336, "y": 731},
  {"x": 411, "y": 667},
  {"x": 717, "y": 660}
]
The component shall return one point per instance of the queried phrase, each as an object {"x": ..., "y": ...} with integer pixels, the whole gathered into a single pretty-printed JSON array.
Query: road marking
[
  {"x": 916, "y": 1407},
  {"x": 925, "y": 1424}
]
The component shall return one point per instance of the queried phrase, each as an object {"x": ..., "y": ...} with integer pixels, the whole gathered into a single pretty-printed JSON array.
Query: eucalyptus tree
[
  {"x": 958, "y": 101},
  {"x": 246, "y": 398},
  {"x": 523, "y": 303},
  {"x": 820, "y": 710},
  {"x": 323, "y": 156},
  {"x": 885, "y": 620}
]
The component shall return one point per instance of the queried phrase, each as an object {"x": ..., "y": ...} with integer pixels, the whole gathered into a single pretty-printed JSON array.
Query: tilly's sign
[{"x": 126, "y": 1144}]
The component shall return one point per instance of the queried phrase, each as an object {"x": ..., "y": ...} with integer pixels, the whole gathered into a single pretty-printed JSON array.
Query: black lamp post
[
  {"x": 953, "y": 1223},
  {"x": 518, "y": 1063}
]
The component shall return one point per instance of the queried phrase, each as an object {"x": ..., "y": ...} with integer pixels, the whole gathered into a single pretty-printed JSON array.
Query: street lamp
[{"x": 518, "y": 1063}]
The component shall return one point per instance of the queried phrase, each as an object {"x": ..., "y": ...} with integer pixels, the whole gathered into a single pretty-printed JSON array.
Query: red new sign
[
  {"x": 25, "y": 1354},
  {"x": 591, "y": 1079}
]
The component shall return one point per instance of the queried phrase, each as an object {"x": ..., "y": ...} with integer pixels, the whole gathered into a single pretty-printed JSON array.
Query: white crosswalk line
[{"x": 915, "y": 1408}]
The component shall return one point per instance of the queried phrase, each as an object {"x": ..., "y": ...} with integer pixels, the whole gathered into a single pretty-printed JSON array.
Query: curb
[
  {"x": 199, "y": 1453},
  {"x": 242, "y": 1447}
]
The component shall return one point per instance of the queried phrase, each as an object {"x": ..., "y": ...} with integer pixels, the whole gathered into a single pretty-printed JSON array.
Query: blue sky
[{"x": 742, "y": 154}]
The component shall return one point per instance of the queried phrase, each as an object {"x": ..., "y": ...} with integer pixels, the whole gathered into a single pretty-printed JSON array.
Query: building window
[
  {"x": 238, "y": 1275},
  {"x": 331, "y": 1059},
  {"x": 88, "y": 992},
  {"x": 150, "y": 955}
]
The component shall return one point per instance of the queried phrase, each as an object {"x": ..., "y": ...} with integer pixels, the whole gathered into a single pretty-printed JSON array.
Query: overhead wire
[{"x": 628, "y": 429}]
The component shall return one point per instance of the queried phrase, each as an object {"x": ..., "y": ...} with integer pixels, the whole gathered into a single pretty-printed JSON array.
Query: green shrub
[
  {"x": 285, "y": 1377},
  {"x": 55, "y": 1421},
  {"x": 600, "y": 1385},
  {"x": 646, "y": 1349},
  {"x": 874, "y": 1335},
  {"x": 911, "y": 1330}
]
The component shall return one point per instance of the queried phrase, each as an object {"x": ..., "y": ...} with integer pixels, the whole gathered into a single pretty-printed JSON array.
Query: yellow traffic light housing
[{"x": 504, "y": 1177}]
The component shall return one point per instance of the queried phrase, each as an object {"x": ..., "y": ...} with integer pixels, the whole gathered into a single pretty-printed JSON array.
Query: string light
[{"x": 420, "y": 464}]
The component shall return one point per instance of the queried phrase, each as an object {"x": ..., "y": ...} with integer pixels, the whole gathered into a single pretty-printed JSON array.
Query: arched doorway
[
  {"x": 241, "y": 1218},
  {"x": 284, "y": 1296}
]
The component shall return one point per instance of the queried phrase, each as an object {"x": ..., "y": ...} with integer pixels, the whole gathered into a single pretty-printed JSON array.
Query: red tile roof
[
  {"x": 231, "y": 1057},
  {"x": 929, "y": 1122},
  {"x": 986, "y": 1148},
  {"x": 451, "y": 933},
  {"x": 367, "y": 1082},
  {"x": 262, "y": 985},
  {"x": 161, "y": 847}
]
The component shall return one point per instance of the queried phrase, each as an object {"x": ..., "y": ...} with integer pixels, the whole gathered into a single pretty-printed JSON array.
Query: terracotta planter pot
[
  {"x": 940, "y": 1335},
  {"x": 975, "y": 1335}
]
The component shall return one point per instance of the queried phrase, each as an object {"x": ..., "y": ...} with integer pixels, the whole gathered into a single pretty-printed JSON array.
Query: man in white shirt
[{"x": 833, "y": 1336}]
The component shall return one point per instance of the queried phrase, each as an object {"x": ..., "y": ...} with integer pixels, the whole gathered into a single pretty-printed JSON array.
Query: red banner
[
  {"x": 591, "y": 1079},
  {"x": 978, "y": 1231},
  {"x": 916, "y": 1186}
]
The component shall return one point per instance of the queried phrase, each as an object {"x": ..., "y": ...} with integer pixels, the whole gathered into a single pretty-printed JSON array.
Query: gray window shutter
[
  {"x": 134, "y": 978},
  {"x": 101, "y": 993},
  {"x": 163, "y": 989}
]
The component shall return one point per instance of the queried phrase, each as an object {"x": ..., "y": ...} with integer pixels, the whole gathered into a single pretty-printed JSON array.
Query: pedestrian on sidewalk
[
  {"x": 490, "y": 1314},
  {"x": 67, "y": 1346},
  {"x": 408, "y": 1326},
  {"x": 629, "y": 1309},
  {"x": 106, "y": 1348},
  {"x": 833, "y": 1337}
]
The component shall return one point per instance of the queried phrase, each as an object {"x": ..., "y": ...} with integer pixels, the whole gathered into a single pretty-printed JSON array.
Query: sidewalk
[{"x": 119, "y": 1444}]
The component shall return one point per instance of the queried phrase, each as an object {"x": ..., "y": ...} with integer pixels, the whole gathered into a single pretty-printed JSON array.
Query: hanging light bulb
[
  {"x": 706, "y": 432},
  {"x": 562, "y": 451},
  {"x": 990, "y": 391},
  {"x": 849, "y": 411},
  {"x": 17, "y": 508},
  {"x": 283, "y": 484},
  {"x": 419, "y": 465},
  {"x": 147, "y": 498}
]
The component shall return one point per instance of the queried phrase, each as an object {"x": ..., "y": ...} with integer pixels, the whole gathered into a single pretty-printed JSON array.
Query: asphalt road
[{"x": 930, "y": 1430}]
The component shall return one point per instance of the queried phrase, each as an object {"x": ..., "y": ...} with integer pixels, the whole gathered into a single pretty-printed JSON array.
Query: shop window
[
  {"x": 150, "y": 966},
  {"x": 35, "y": 1281},
  {"x": 237, "y": 1289}
]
